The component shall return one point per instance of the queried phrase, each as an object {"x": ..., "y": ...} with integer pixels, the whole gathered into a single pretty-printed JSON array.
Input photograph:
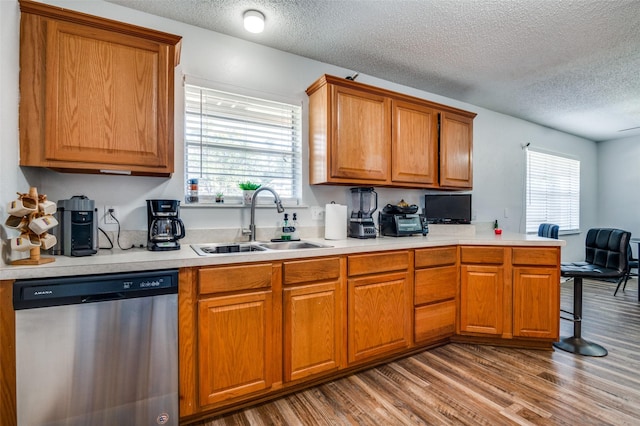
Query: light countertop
[{"x": 140, "y": 259}]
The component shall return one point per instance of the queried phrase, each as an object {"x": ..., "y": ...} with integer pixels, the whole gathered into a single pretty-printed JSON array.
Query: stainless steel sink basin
[
  {"x": 235, "y": 248},
  {"x": 291, "y": 245},
  {"x": 225, "y": 248}
]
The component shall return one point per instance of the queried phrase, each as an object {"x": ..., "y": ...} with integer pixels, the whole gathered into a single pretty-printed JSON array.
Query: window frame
[
  {"x": 569, "y": 218},
  {"x": 234, "y": 198}
]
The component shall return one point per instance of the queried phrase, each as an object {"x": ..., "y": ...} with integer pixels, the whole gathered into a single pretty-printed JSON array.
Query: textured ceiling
[{"x": 572, "y": 65}]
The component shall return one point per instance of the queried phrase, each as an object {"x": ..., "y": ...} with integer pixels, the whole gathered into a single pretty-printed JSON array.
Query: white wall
[
  {"x": 251, "y": 68},
  {"x": 619, "y": 191}
]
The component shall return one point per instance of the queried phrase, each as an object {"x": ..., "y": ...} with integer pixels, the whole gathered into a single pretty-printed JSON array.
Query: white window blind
[
  {"x": 232, "y": 138},
  {"x": 553, "y": 191}
]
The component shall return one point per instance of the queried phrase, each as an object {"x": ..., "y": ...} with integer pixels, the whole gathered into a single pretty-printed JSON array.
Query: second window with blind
[
  {"x": 552, "y": 191},
  {"x": 231, "y": 138}
]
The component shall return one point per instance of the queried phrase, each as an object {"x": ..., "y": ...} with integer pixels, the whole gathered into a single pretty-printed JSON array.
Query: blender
[{"x": 364, "y": 201}]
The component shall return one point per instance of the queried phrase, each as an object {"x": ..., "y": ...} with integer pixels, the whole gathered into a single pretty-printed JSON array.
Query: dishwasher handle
[{"x": 103, "y": 297}]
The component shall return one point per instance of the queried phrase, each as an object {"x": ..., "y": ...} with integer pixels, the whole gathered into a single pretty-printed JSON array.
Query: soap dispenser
[
  {"x": 295, "y": 234},
  {"x": 286, "y": 230}
]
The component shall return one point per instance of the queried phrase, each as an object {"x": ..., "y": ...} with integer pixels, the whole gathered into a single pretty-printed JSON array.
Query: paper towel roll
[{"x": 335, "y": 222}]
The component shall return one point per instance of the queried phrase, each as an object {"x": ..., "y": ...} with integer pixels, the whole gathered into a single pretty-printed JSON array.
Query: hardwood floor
[{"x": 484, "y": 385}]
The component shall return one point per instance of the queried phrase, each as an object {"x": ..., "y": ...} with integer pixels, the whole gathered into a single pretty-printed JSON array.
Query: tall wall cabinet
[
  {"x": 364, "y": 135},
  {"x": 95, "y": 95}
]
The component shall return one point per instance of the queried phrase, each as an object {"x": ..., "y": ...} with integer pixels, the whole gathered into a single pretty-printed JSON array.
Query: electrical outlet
[
  {"x": 108, "y": 219},
  {"x": 317, "y": 213}
]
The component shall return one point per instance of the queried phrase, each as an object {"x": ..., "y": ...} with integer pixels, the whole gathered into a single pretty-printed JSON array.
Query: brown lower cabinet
[
  {"x": 435, "y": 296},
  {"x": 234, "y": 353},
  {"x": 379, "y": 305},
  {"x": 510, "y": 292},
  {"x": 250, "y": 332},
  {"x": 235, "y": 332},
  {"x": 313, "y": 309}
]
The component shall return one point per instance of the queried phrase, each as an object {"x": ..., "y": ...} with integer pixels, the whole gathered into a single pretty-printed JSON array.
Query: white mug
[
  {"x": 16, "y": 222},
  {"x": 47, "y": 241},
  {"x": 42, "y": 224},
  {"x": 47, "y": 207},
  {"x": 22, "y": 207},
  {"x": 20, "y": 243}
]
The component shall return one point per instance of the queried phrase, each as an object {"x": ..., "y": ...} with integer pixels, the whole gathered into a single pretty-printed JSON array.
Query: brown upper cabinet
[
  {"x": 96, "y": 95},
  {"x": 364, "y": 135}
]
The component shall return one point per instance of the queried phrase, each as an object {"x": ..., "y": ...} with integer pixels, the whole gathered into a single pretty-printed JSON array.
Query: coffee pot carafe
[
  {"x": 165, "y": 227},
  {"x": 364, "y": 201}
]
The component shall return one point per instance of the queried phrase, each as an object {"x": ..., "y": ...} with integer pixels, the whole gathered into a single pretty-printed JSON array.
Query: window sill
[{"x": 269, "y": 205}]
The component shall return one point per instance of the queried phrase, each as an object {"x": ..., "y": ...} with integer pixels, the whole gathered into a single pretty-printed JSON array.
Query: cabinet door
[
  {"x": 536, "y": 302},
  {"x": 234, "y": 346},
  {"x": 414, "y": 155},
  {"x": 379, "y": 315},
  {"x": 105, "y": 94},
  {"x": 456, "y": 146},
  {"x": 95, "y": 95},
  {"x": 481, "y": 299},
  {"x": 312, "y": 333},
  {"x": 361, "y": 136}
]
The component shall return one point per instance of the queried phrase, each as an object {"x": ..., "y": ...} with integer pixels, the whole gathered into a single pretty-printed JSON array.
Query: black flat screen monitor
[{"x": 448, "y": 208}]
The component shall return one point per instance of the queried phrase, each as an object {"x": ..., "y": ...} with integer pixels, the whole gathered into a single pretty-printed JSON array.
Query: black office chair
[{"x": 548, "y": 230}]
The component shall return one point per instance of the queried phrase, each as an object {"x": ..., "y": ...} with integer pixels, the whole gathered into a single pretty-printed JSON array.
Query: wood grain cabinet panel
[
  {"x": 481, "y": 299},
  {"x": 536, "y": 302},
  {"x": 312, "y": 329},
  {"x": 456, "y": 151},
  {"x": 435, "y": 321},
  {"x": 482, "y": 255},
  {"x": 360, "y": 152},
  {"x": 377, "y": 262},
  {"x": 235, "y": 346},
  {"x": 311, "y": 270},
  {"x": 436, "y": 256},
  {"x": 234, "y": 278},
  {"x": 379, "y": 315},
  {"x": 435, "y": 284},
  {"x": 96, "y": 95},
  {"x": 414, "y": 144}
]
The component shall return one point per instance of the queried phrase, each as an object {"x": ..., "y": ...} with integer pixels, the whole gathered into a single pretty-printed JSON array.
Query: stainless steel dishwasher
[{"x": 97, "y": 350}]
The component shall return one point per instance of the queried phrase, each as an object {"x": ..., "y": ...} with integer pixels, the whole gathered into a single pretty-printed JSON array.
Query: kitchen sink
[
  {"x": 208, "y": 249},
  {"x": 234, "y": 248},
  {"x": 291, "y": 245}
]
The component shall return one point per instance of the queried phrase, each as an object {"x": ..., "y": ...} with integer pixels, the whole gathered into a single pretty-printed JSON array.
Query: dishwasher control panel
[{"x": 37, "y": 293}]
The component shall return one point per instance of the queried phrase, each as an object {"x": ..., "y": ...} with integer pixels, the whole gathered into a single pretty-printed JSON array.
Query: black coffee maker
[{"x": 165, "y": 226}]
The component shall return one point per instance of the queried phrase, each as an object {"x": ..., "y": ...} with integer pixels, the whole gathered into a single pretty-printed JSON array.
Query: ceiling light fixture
[{"x": 253, "y": 21}]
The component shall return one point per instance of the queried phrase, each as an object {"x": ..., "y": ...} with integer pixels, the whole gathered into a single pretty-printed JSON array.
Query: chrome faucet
[{"x": 252, "y": 225}]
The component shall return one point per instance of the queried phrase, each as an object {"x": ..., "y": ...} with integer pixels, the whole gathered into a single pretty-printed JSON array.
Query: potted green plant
[
  {"x": 248, "y": 188},
  {"x": 219, "y": 197}
]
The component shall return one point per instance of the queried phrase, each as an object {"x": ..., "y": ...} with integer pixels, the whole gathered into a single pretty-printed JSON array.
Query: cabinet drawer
[
  {"x": 535, "y": 256},
  {"x": 435, "y": 321},
  {"x": 435, "y": 284},
  {"x": 482, "y": 254},
  {"x": 302, "y": 271},
  {"x": 233, "y": 278},
  {"x": 378, "y": 262},
  {"x": 436, "y": 257}
]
